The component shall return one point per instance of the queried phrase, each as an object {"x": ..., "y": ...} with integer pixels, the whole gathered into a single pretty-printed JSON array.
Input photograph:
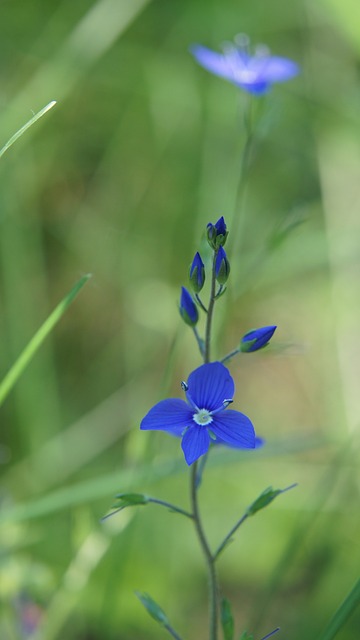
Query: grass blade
[
  {"x": 342, "y": 614},
  {"x": 27, "y": 126},
  {"x": 36, "y": 341}
]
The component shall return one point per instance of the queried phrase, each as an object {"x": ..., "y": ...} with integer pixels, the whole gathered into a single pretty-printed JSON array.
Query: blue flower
[
  {"x": 204, "y": 417},
  {"x": 197, "y": 273},
  {"x": 254, "y": 74},
  {"x": 222, "y": 266},
  {"x": 257, "y": 339},
  {"x": 188, "y": 309}
]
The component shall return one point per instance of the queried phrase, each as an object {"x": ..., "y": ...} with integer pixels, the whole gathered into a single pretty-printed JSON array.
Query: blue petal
[
  {"x": 273, "y": 68},
  {"x": 210, "y": 385},
  {"x": 212, "y": 61},
  {"x": 234, "y": 429},
  {"x": 172, "y": 415},
  {"x": 195, "y": 443}
]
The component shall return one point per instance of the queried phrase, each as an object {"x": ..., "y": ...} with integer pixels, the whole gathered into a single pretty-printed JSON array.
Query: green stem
[
  {"x": 210, "y": 560},
  {"x": 172, "y": 507},
  {"x": 239, "y": 208},
  {"x": 199, "y": 341},
  {"x": 200, "y": 303},
  {"x": 230, "y": 355},
  {"x": 227, "y": 538},
  {"x": 210, "y": 313},
  {"x": 172, "y": 632}
]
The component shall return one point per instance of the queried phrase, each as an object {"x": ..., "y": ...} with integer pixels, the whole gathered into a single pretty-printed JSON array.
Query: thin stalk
[
  {"x": 172, "y": 507},
  {"x": 210, "y": 313},
  {"x": 230, "y": 355},
  {"x": 172, "y": 632},
  {"x": 239, "y": 208},
  {"x": 162, "y": 503},
  {"x": 200, "y": 303},
  {"x": 210, "y": 561},
  {"x": 199, "y": 341},
  {"x": 228, "y": 537}
]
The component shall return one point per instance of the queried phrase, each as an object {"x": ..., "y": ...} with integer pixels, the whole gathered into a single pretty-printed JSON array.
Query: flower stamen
[{"x": 202, "y": 417}]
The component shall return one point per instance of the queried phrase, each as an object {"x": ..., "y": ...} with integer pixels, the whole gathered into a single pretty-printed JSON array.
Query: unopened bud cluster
[{"x": 216, "y": 236}]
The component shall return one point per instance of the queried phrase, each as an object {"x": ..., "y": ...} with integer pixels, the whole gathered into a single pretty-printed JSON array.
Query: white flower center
[{"x": 202, "y": 417}]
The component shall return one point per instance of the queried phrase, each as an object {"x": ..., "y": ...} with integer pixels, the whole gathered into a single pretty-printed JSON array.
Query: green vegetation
[{"x": 119, "y": 180}]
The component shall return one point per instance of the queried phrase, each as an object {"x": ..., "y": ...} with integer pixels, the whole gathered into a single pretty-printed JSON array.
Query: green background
[{"x": 142, "y": 150}]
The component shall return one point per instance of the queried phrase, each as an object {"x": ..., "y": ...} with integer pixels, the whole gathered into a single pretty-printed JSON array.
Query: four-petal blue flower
[
  {"x": 254, "y": 74},
  {"x": 204, "y": 417}
]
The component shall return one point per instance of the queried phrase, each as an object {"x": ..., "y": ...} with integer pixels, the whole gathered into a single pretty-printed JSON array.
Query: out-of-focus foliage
[{"x": 120, "y": 179}]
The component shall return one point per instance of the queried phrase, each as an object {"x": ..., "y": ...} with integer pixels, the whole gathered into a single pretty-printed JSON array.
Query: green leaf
[
  {"x": 265, "y": 498},
  {"x": 130, "y": 500},
  {"x": 227, "y": 620},
  {"x": 153, "y": 608},
  {"x": 343, "y": 613},
  {"x": 26, "y": 126},
  {"x": 36, "y": 341},
  {"x": 246, "y": 636}
]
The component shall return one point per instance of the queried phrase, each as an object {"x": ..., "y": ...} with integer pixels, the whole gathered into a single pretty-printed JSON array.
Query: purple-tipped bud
[
  {"x": 256, "y": 339},
  {"x": 222, "y": 266},
  {"x": 217, "y": 234},
  {"x": 188, "y": 309},
  {"x": 197, "y": 273}
]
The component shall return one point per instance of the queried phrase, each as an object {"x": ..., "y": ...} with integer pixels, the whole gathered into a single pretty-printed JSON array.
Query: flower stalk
[
  {"x": 210, "y": 312},
  {"x": 209, "y": 558}
]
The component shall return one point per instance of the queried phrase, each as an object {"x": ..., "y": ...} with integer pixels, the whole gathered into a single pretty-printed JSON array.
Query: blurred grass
[{"x": 141, "y": 152}]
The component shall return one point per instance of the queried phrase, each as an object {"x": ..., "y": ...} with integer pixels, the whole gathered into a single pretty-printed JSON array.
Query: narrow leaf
[
  {"x": 153, "y": 608},
  {"x": 227, "y": 620},
  {"x": 130, "y": 500},
  {"x": 26, "y": 126},
  {"x": 265, "y": 498},
  {"x": 343, "y": 613},
  {"x": 36, "y": 341}
]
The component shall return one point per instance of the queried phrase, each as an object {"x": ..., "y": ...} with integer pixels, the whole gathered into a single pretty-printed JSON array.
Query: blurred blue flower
[
  {"x": 222, "y": 266},
  {"x": 204, "y": 417},
  {"x": 256, "y": 339},
  {"x": 254, "y": 74},
  {"x": 197, "y": 273},
  {"x": 188, "y": 309}
]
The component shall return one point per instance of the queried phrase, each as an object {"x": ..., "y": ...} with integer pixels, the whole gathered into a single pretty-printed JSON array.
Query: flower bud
[
  {"x": 188, "y": 309},
  {"x": 197, "y": 273},
  {"x": 217, "y": 234},
  {"x": 256, "y": 339},
  {"x": 222, "y": 266}
]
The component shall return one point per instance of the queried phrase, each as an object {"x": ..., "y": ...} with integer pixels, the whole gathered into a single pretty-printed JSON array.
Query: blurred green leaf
[
  {"x": 153, "y": 608},
  {"x": 345, "y": 610},
  {"x": 157, "y": 613},
  {"x": 130, "y": 500},
  {"x": 227, "y": 619},
  {"x": 36, "y": 341}
]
